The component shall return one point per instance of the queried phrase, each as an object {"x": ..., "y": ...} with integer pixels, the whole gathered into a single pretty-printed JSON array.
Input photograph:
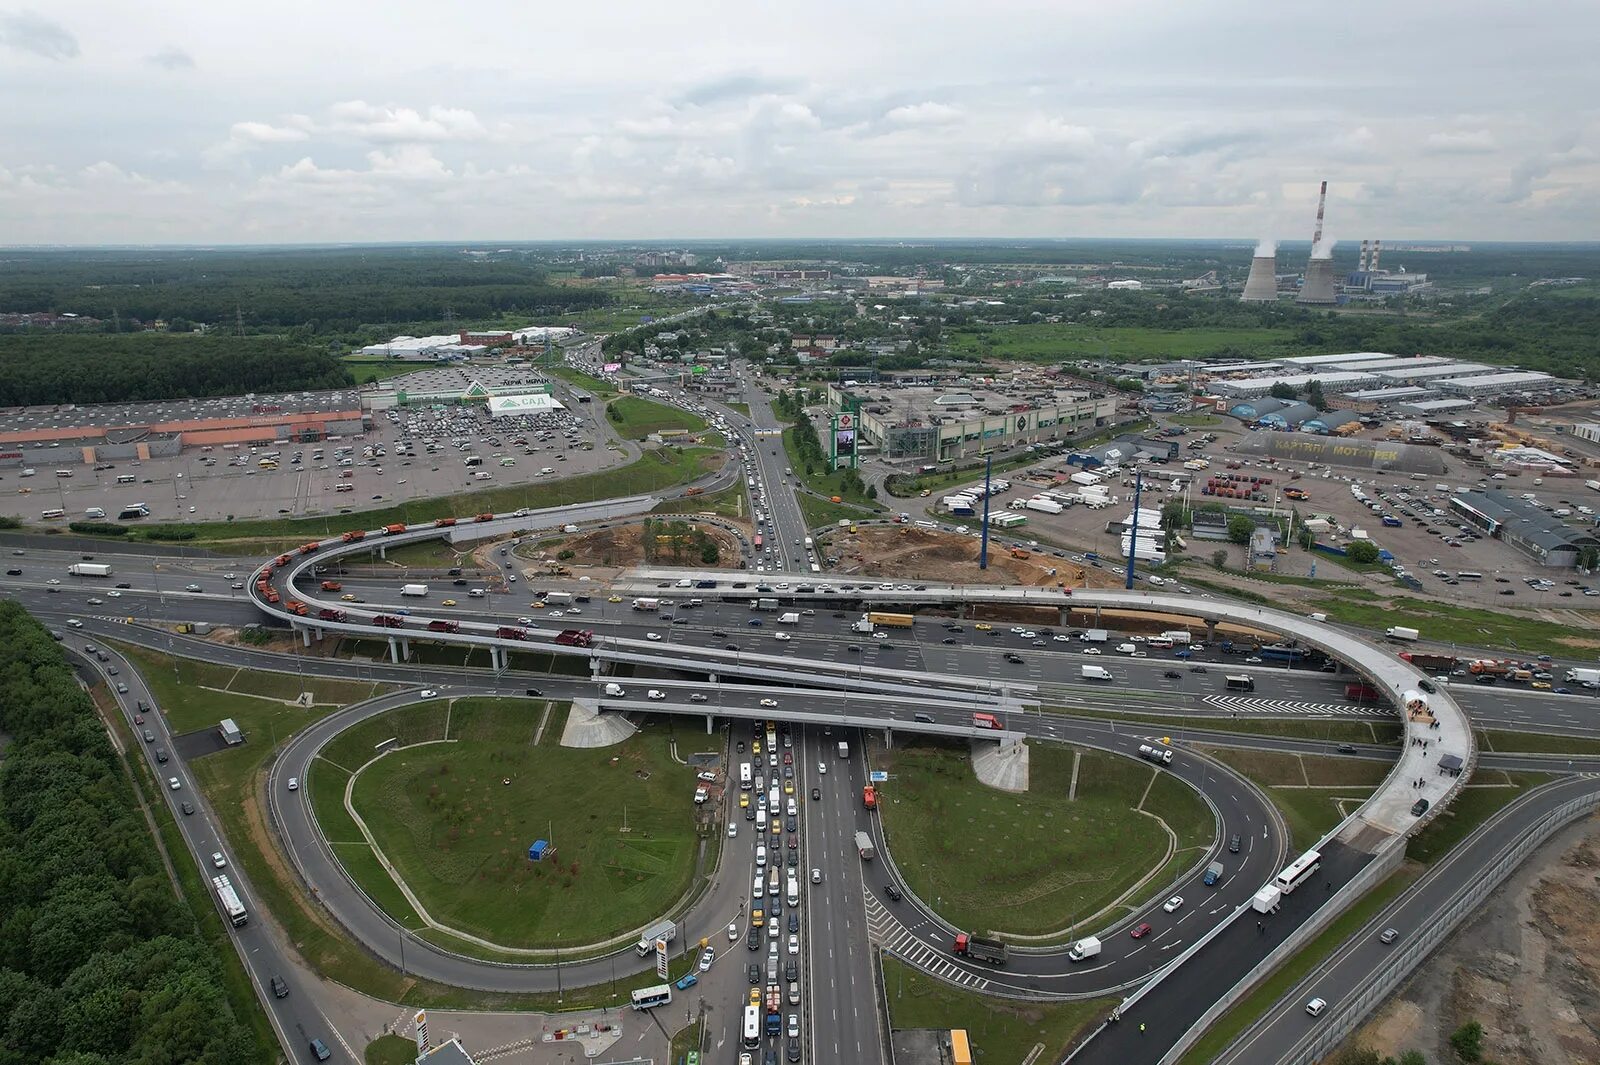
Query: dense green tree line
[
  {"x": 99, "y": 963},
  {"x": 327, "y": 290},
  {"x": 56, "y": 367}
]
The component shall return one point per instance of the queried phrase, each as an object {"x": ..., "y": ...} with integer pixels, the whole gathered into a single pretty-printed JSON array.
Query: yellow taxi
[
  {"x": 1542, "y": 685},
  {"x": 348, "y": 597},
  {"x": 983, "y": 626},
  {"x": 788, "y": 787},
  {"x": 614, "y": 599},
  {"x": 755, "y": 996},
  {"x": 537, "y": 604},
  {"x": 744, "y": 800},
  {"x": 755, "y": 746},
  {"x": 448, "y": 602}
]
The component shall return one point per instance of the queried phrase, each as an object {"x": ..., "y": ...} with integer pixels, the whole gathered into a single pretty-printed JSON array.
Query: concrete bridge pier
[
  {"x": 711, "y": 724},
  {"x": 888, "y": 739},
  {"x": 305, "y": 635},
  {"x": 394, "y": 650},
  {"x": 1064, "y": 617},
  {"x": 1211, "y": 630}
]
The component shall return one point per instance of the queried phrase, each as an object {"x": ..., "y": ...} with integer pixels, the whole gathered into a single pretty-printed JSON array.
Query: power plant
[
  {"x": 1262, "y": 284},
  {"x": 1318, "y": 290}
]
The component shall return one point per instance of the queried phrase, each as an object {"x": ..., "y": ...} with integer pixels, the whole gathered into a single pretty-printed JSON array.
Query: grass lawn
[
  {"x": 823, "y": 483},
  {"x": 1003, "y": 1031},
  {"x": 820, "y": 512},
  {"x": 390, "y": 1050},
  {"x": 593, "y": 385},
  {"x": 621, "y": 818},
  {"x": 1314, "y": 794},
  {"x": 907, "y": 487},
  {"x": 636, "y": 418},
  {"x": 1049, "y": 342},
  {"x": 197, "y": 695},
  {"x": 1194, "y": 419},
  {"x": 684, "y": 1041},
  {"x": 657, "y": 468},
  {"x": 742, "y": 408},
  {"x": 430, "y": 554},
  {"x": 730, "y": 503},
  {"x": 1487, "y": 793},
  {"x": 1329, "y": 730},
  {"x": 1474, "y": 625},
  {"x": 1535, "y": 742},
  {"x": 1030, "y": 863},
  {"x": 366, "y": 370},
  {"x": 1269, "y": 991}
]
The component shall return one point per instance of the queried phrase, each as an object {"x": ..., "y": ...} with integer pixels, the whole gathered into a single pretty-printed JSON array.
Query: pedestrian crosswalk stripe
[{"x": 1239, "y": 704}]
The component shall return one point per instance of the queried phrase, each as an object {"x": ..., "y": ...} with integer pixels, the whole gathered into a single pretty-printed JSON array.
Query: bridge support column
[
  {"x": 712, "y": 677},
  {"x": 497, "y": 660},
  {"x": 1211, "y": 631},
  {"x": 888, "y": 738},
  {"x": 394, "y": 650},
  {"x": 383, "y": 552},
  {"x": 305, "y": 635},
  {"x": 1065, "y": 618},
  {"x": 710, "y": 724},
  {"x": 322, "y": 634},
  {"x": 405, "y": 649},
  {"x": 1097, "y": 624}
]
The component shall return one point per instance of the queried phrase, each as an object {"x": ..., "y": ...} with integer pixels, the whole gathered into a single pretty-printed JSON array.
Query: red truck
[
  {"x": 444, "y": 626},
  {"x": 980, "y": 948},
  {"x": 444, "y": 523},
  {"x": 306, "y": 549},
  {"x": 1422, "y": 660},
  {"x": 269, "y": 594},
  {"x": 332, "y": 586},
  {"x": 484, "y": 517},
  {"x": 510, "y": 632},
  {"x": 397, "y": 527},
  {"x": 575, "y": 638},
  {"x": 329, "y": 614},
  {"x": 296, "y": 607},
  {"x": 283, "y": 560},
  {"x": 1362, "y": 693},
  {"x": 353, "y": 535},
  {"x": 869, "y": 797},
  {"x": 388, "y": 621}
]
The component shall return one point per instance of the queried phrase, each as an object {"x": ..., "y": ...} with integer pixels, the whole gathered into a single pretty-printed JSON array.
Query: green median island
[
  {"x": 455, "y": 793},
  {"x": 1091, "y": 827},
  {"x": 636, "y": 418}
]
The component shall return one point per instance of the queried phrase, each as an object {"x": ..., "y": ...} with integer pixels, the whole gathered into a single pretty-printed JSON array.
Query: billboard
[{"x": 844, "y": 439}]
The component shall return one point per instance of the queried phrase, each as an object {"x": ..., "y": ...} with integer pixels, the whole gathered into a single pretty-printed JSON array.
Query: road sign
[
  {"x": 877, "y": 776},
  {"x": 661, "y": 958}
]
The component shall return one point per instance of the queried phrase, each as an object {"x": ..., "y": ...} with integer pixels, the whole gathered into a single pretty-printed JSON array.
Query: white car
[
  {"x": 733, "y": 829},
  {"x": 74, "y": 623},
  {"x": 53, "y": 580},
  {"x": 94, "y": 600},
  {"x": 174, "y": 783},
  {"x": 524, "y": 621},
  {"x": 653, "y": 636},
  {"x": 697, "y": 697},
  {"x": 1174, "y": 904},
  {"x": 294, "y": 783},
  {"x": 816, "y": 876},
  {"x": 822, "y": 769},
  {"x": 733, "y": 931},
  {"x": 769, "y": 702},
  {"x": 794, "y": 943},
  {"x": 556, "y": 614},
  {"x": 782, "y": 636},
  {"x": 427, "y": 693},
  {"x": 1316, "y": 1006},
  {"x": 1091, "y": 650},
  {"x": 114, "y": 594},
  {"x": 218, "y": 861},
  {"x": 880, "y": 636},
  {"x": 1062, "y": 638},
  {"x": 1028, "y": 634},
  {"x": 655, "y": 693},
  {"x": 707, "y": 957}
]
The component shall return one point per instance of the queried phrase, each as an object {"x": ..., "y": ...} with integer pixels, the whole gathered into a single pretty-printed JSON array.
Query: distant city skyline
[{"x": 226, "y": 124}]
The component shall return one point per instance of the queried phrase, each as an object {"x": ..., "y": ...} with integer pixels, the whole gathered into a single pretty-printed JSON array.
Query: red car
[
  {"x": 138, "y": 719},
  {"x": 788, "y": 758},
  {"x": 1140, "y": 930}
]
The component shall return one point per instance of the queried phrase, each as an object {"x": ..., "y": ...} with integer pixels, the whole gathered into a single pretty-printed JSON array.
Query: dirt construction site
[
  {"x": 622, "y": 546},
  {"x": 1526, "y": 967},
  {"x": 910, "y": 552}
]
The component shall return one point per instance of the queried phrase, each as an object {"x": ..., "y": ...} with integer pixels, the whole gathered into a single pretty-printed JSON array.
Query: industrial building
[
  {"x": 1377, "y": 456},
  {"x": 450, "y": 384},
  {"x": 1432, "y": 408},
  {"x": 1335, "y": 361},
  {"x": 1494, "y": 383},
  {"x": 1331, "y": 421},
  {"x": 1524, "y": 525},
  {"x": 940, "y": 425},
  {"x": 1333, "y": 380},
  {"x": 70, "y": 435},
  {"x": 1428, "y": 374},
  {"x": 1391, "y": 394}
]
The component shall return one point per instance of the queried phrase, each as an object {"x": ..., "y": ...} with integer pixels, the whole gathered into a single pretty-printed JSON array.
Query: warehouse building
[
  {"x": 1331, "y": 421},
  {"x": 450, "y": 384},
  {"x": 1494, "y": 383},
  {"x": 941, "y": 425},
  {"x": 1331, "y": 380},
  {"x": 1433, "y": 408},
  {"x": 1391, "y": 394},
  {"x": 1334, "y": 362},
  {"x": 1377, "y": 456},
  {"x": 1521, "y": 523},
  {"x": 1289, "y": 416},
  {"x": 1428, "y": 374}
]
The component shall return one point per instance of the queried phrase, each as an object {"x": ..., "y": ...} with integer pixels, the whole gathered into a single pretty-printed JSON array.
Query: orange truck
[
  {"x": 484, "y": 517},
  {"x": 444, "y": 523},
  {"x": 332, "y": 586},
  {"x": 694, "y": 491},
  {"x": 306, "y": 549},
  {"x": 869, "y": 797},
  {"x": 354, "y": 535},
  {"x": 296, "y": 607},
  {"x": 397, "y": 527}
]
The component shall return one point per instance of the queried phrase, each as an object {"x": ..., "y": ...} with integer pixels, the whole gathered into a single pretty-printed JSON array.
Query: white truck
[
  {"x": 1158, "y": 755},
  {"x": 844, "y": 749},
  {"x": 664, "y": 930},
  {"x": 89, "y": 569},
  {"x": 1043, "y": 505},
  {"x": 1084, "y": 949},
  {"x": 615, "y": 691},
  {"x": 1588, "y": 678},
  {"x": 1267, "y": 900},
  {"x": 416, "y": 591},
  {"x": 1095, "y": 636},
  {"x": 1178, "y": 636},
  {"x": 647, "y": 604},
  {"x": 1401, "y": 632},
  {"x": 791, "y": 618},
  {"x": 810, "y": 542},
  {"x": 1096, "y": 673}
]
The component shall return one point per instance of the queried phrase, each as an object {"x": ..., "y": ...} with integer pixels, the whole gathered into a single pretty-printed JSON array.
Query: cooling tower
[
  {"x": 1262, "y": 284},
  {"x": 1318, "y": 289}
]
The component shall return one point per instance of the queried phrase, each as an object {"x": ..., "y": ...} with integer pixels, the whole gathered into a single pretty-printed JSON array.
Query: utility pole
[
  {"x": 1133, "y": 528},
  {"x": 983, "y": 542}
]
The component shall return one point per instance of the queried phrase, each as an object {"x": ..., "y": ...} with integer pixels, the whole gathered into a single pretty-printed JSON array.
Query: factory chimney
[
  {"x": 1361, "y": 263},
  {"x": 1377, "y": 246},
  {"x": 1262, "y": 284},
  {"x": 1318, "y": 289}
]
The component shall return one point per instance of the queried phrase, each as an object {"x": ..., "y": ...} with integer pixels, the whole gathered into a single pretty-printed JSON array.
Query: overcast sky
[{"x": 221, "y": 122}]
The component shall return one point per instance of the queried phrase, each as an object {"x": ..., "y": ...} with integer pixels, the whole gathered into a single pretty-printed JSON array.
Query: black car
[
  {"x": 1014, "y": 659},
  {"x": 816, "y": 793},
  {"x": 1347, "y": 748},
  {"x": 794, "y": 859},
  {"x": 1173, "y": 674},
  {"x": 13, "y": 573},
  {"x": 1419, "y": 807},
  {"x": 1198, "y": 669},
  {"x": 753, "y": 940},
  {"x": 1233, "y": 843},
  {"x": 279, "y": 988},
  {"x": 753, "y": 971},
  {"x": 950, "y": 639},
  {"x": 187, "y": 807},
  {"x": 794, "y": 926},
  {"x": 1427, "y": 686},
  {"x": 794, "y": 1050},
  {"x": 893, "y": 892},
  {"x": 460, "y": 582},
  {"x": 730, "y": 647},
  {"x": 124, "y": 584},
  {"x": 535, "y": 691},
  {"x": 1485, "y": 678}
]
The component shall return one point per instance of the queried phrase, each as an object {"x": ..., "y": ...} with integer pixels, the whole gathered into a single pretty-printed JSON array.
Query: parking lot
[{"x": 408, "y": 454}]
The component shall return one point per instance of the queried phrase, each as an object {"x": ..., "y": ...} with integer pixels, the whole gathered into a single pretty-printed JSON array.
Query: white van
[
  {"x": 95, "y": 512},
  {"x": 772, "y": 796},
  {"x": 792, "y": 895},
  {"x": 744, "y": 776},
  {"x": 761, "y": 856}
]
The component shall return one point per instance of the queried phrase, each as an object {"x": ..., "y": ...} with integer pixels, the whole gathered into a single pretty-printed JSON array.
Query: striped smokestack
[
  {"x": 1377, "y": 246},
  {"x": 1361, "y": 263},
  {"x": 1322, "y": 202}
]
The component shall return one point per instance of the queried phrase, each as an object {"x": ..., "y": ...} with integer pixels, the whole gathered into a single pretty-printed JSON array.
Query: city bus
[
  {"x": 56, "y": 513},
  {"x": 648, "y": 998},
  {"x": 981, "y": 720},
  {"x": 752, "y": 1027},
  {"x": 228, "y": 901},
  {"x": 1468, "y": 575},
  {"x": 1299, "y": 871}
]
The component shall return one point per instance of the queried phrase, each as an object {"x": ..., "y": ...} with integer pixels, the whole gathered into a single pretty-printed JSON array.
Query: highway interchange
[{"x": 848, "y": 906}]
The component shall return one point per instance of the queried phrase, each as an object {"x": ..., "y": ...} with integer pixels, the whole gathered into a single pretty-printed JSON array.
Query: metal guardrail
[{"x": 1348, "y": 1014}]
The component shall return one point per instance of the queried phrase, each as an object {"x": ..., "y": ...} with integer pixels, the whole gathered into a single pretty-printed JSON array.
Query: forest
[
  {"x": 46, "y": 367},
  {"x": 100, "y": 963}
]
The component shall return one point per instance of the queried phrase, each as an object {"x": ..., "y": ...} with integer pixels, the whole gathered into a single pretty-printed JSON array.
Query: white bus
[
  {"x": 57, "y": 513},
  {"x": 1467, "y": 575},
  {"x": 1299, "y": 871},
  {"x": 744, "y": 776},
  {"x": 752, "y": 1027},
  {"x": 648, "y": 998},
  {"x": 228, "y": 901}
]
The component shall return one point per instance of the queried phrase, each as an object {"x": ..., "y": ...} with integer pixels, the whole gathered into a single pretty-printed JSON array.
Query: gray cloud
[
  {"x": 29, "y": 31},
  {"x": 171, "y": 58}
]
